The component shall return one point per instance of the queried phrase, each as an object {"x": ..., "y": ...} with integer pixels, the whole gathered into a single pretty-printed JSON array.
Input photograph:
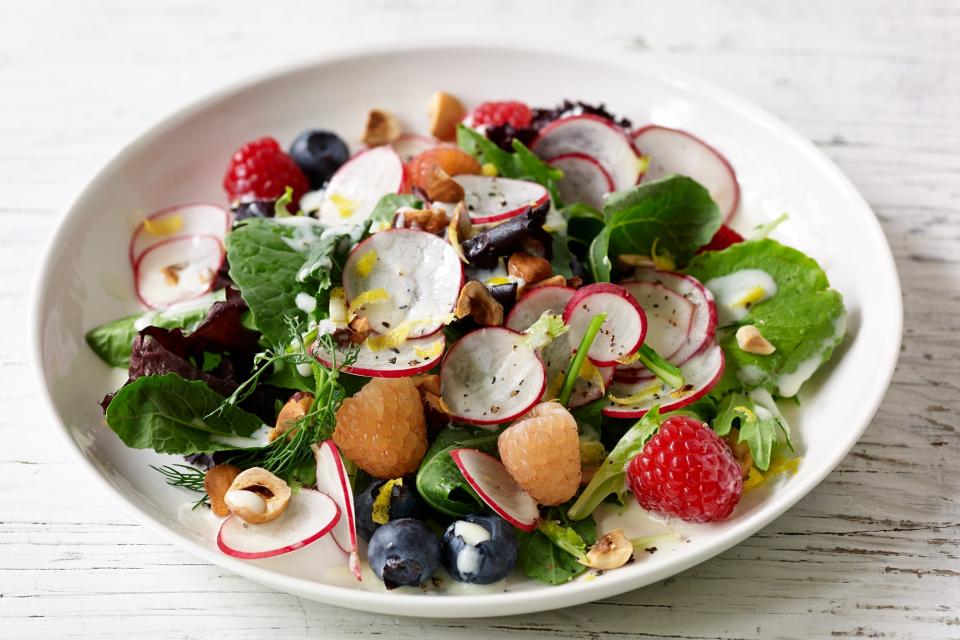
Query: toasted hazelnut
[
  {"x": 382, "y": 128},
  {"x": 751, "y": 340},
  {"x": 427, "y": 383},
  {"x": 529, "y": 268},
  {"x": 441, "y": 187},
  {"x": 553, "y": 281},
  {"x": 611, "y": 551},
  {"x": 475, "y": 300},
  {"x": 359, "y": 329},
  {"x": 295, "y": 408},
  {"x": 445, "y": 114},
  {"x": 575, "y": 282},
  {"x": 433, "y": 221},
  {"x": 257, "y": 496},
  {"x": 217, "y": 482}
]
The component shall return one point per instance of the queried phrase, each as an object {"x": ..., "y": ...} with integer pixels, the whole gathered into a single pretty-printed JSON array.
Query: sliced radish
[
  {"x": 409, "y": 145},
  {"x": 490, "y": 479},
  {"x": 197, "y": 219},
  {"x": 332, "y": 480},
  {"x": 557, "y": 354},
  {"x": 408, "y": 358},
  {"x": 674, "y": 151},
  {"x": 177, "y": 269},
  {"x": 621, "y": 333},
  {"x": 531, "y": 306},
  {"x": 703, "y": 325},
  {"x": 357, "y": 186},
  {"x": 491, "y": 376},
  {"x": 669, "y": 316},
  {"x": 420, "y": 273},
  {"x": 596, "y": 137},
  {"x": 700, "y": 373},
  {"x": 491, "y": 199},
  {"x": 584, "y": 179},
  {"x": 309, "y": 516}
]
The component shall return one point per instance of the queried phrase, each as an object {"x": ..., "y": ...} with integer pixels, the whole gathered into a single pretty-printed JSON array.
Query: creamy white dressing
[
  {"x": 256, "y": 439},
  {"x": 555, "y": 222},
  {"x": 788, "y": 384},
  {"x": 736, "y": 292},
  {"x": 303, "y": 233},
  {"x": 468, "y": 558},
  {"x": 472, "y": 533},
  {"x": 306, "y": 302},
  {"x": 751, "y": 375},
  {"x": 311, "y": 200}
]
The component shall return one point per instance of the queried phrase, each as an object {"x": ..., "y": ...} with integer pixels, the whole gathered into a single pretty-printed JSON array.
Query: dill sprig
[
  {"x": 185, "y": 476},
  {"x": 286, "y": 455}
]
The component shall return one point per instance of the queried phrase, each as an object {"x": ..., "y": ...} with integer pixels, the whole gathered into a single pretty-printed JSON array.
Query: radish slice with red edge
[
  {"x": 177, "y": 269},
  {"x": 420, "y": 273},
  {"x": 556, "y": 355},
  {"x": 621, "y": 333},
  {"x": 332, "y": 480},
  {"x": 491, "y": 376},
  {"x": 584, "y": 179},
  {"x": 413, "y": 356},
  {"x": 490, "y": 479},
  {"x": 195, "y": 219},
  {"x": 669, "y": 316},
  {"x": 703, "y": 326},
  {"x": 672, "y": 151},
  {"x": 410, "y": 145},
  {"x": 596, "y": 137},
  {"x": 356, "y": 188},
  {"x": 491, "y": 199},
  {"x": 700, "y": 373},
  {"x": 309, "y": 516}
]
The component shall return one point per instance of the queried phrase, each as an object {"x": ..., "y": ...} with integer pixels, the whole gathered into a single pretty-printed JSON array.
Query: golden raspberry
[
  {"x": 382, "y": 428},
  {"x": 541, "y": 452}
]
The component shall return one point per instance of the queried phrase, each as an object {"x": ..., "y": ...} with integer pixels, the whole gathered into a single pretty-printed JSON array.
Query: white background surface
[{"x": 872, "y": 552}]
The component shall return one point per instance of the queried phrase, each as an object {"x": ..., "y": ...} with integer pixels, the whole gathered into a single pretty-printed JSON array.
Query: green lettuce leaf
[
  {"x": 170, "y": 414},
  {"x": 805, "y": 320},
  {"x": 266, "y": 258},
  {"x": 387, "y": 206},
  {"x": 522, "y": 164},
  {"x": 549, "y": 554},
  {"x": 112, "y": 341},
  {"x": 439, "y": 481},
  {"x": 671, "y": 217}
]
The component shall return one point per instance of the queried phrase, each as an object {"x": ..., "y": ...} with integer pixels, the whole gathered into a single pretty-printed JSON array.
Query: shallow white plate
[{"x": 86, "y": 280}]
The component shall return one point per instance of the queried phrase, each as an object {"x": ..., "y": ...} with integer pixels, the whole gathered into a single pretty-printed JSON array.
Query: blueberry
[
  {"x": 404, "y": 502},
  {"x": 479, "y": 549},
  {"x": 319, "y": 154},
  {"x": 404, "y": 552}
]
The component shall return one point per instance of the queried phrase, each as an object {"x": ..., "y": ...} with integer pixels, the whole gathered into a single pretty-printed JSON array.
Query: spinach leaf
[
  {"x": 387, "y": 206},
  {"x": 758, "y": 420},
  {"x": 113, "y": 341},
  {"x": 265, "y": 259},
  {"x": 521, "y": 164},
  {"x": 598, "y": 257},
  {"x": 583, "y": 225},
  {"x": 805, "y": 320},
  {"x": 674, "y": 216},
  {"x": 170, "y": 414},
  {"x": 439, "y": 481},
  {"x": 545, "y": 554}
]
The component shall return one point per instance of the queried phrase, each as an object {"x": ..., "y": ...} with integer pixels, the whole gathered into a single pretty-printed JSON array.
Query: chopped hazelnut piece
[
  {"x": 751, "y": 340},
  {"x": 382, "y": 128},
  {"x": 445, "y": 113},
  {"x": 476, "y": 301}
]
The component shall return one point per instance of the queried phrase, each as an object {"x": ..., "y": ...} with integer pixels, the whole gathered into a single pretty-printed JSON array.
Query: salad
[{"x": 448, "y": 351}]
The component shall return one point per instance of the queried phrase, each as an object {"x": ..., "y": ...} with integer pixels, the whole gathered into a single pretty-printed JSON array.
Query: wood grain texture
[{"x": 874, "y": 551}]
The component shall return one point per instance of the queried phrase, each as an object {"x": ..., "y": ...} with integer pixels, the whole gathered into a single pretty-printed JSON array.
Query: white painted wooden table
[{"x": 872, "y": 552}]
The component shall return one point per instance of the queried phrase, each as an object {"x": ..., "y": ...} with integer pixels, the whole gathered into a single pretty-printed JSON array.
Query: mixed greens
[{"x": 460, "y": 330}]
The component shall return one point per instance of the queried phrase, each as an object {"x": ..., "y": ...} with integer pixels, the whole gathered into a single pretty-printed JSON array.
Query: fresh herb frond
[{"x": 185, "y": 476}]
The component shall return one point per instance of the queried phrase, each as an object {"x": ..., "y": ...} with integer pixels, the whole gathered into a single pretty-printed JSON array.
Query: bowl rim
[{"x": 507, "y": 603}]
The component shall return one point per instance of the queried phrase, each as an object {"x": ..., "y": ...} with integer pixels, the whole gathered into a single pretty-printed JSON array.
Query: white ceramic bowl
[{"x": 85, "y": 279}]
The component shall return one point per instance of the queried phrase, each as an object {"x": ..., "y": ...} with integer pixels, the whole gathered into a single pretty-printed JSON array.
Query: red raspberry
[
  {"x": 686, "y": 470},
  {"x": 260, "y": 170},
  {"x": 495, "y": 114}
]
